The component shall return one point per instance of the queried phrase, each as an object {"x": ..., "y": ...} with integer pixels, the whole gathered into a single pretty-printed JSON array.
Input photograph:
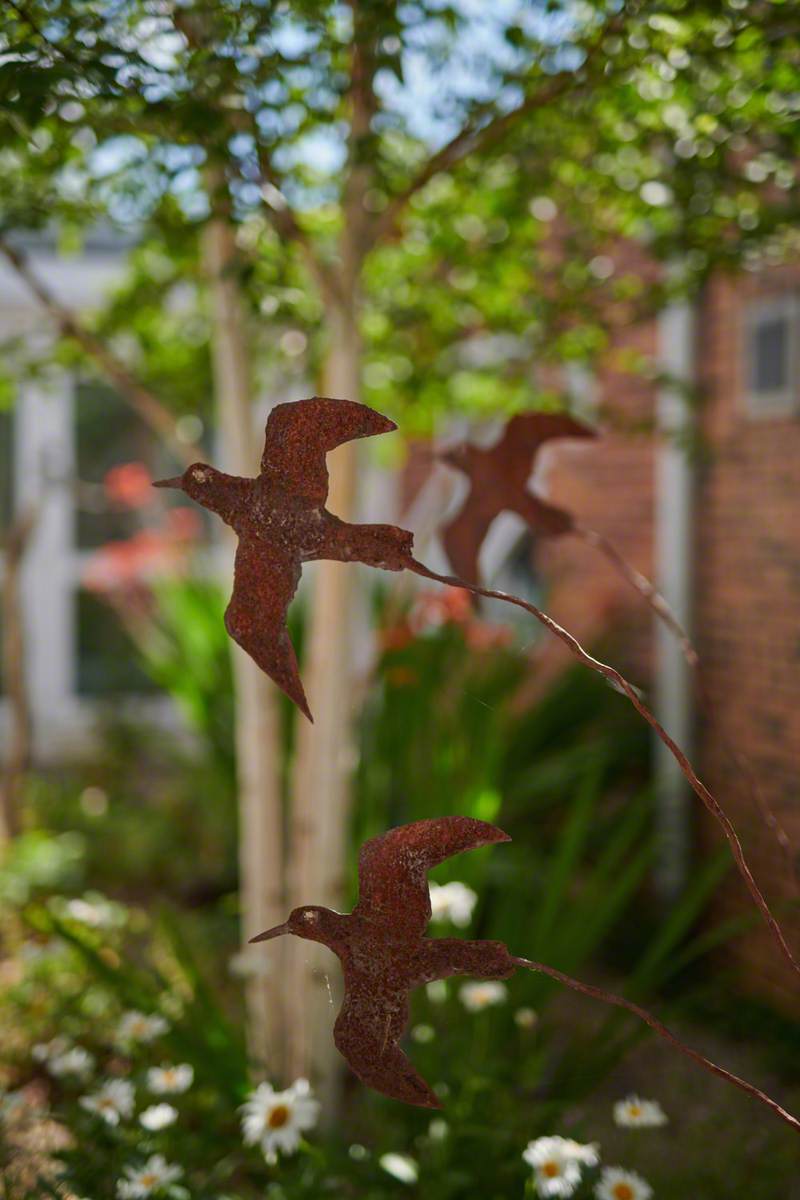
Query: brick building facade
[{"x": 744, "y": 552}]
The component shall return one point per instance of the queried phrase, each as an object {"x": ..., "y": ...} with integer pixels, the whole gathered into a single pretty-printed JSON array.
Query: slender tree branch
[
  {"x": 474, "y": 137},
  {"x": 284, "y": 220},
  {"x": 279, "y": 212},
  {"x": 357, "y": 232},
  {"x": 621, "y": 684},
  {"x": 63, "y": 52},
  {"x": 139, "y": 397},
  {"x": 660, "y": 1028}
]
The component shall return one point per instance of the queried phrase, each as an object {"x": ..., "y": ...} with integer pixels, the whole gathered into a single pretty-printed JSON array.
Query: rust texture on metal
[
  {"x": 499, "y": 477},
  {"x": 384, "y": 954},
  {"x": 281, "y": 522}
]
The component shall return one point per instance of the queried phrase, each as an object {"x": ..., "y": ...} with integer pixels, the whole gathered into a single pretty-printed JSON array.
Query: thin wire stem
[
  {"x": 665, "y": 614},
  {"x": 658, "y": 1027},
  {"x": 621, "y": 684}
]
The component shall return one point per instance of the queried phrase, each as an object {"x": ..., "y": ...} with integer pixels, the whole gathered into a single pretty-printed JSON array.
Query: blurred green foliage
[
  {"x": 444, "y": 730},
  {"x": 504, "y": 159}
]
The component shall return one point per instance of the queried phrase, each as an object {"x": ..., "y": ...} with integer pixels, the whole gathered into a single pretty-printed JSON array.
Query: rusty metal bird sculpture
[
  {"x": 281, "y": 522},
  {"x": 499, "y": 476},
  {"x": 499, "y": 482},
  {"x": 384, "y": 954}
]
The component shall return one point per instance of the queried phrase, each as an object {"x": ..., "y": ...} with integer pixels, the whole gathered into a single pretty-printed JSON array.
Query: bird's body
[
  {"x": 499, "y": 477},
  {"x": 281, "y": 522},
  {"x": 384, "y": 953}
]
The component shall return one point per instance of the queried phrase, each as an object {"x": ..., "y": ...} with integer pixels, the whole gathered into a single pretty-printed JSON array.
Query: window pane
[
  {"x": 770, "y": 355},
  {"x": 519, "y": 573},
  {"x": 109, "y": 434},
  {"x": 107, "y": 663}
]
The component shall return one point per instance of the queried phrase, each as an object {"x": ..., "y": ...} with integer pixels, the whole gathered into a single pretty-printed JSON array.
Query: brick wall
[
  {"x": 748, "y": 606},
  {"x": 747, "y": 592}
]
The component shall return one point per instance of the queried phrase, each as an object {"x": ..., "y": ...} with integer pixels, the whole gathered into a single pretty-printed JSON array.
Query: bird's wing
[
  {"x": 463, "y": 537},
  {"x": 548, "y": 520},
  {"x": 393, "y": 868},
  {"x": 366, "y": 1033},
  {"x": 299, "y": 435},
  {"x": 263, "y": 586},
  {"x": 526, "y": 432}
]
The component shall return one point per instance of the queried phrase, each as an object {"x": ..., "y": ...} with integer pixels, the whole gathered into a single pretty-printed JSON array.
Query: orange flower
[
  {"x": 129, "y": 485},
  {"x": 129, "y": 564}
]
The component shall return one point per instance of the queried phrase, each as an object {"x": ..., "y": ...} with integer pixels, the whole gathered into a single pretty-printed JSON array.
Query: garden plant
[{"x": 429, "y": 210}]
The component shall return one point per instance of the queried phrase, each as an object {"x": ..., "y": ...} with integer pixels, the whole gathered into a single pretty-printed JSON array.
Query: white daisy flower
[
  {"x": 76, "y": 1061},
  {"x": 275, "y": 1120},
  {"x": 112, "y": 1101},
  {"x": 400, "y": 1166},
  {"x": 618, "y": 1184},
  {"x": 99, "y": 913},
  {"x": 165, "y": 1080},
  {"x": 453, "y": 902},
  {"x": 158, "y": 1116},
  {"x": 139, "y": 1182},
  {"x": 141, "y": 1027},
  {"x": 249, "y": 963},
  {"x": 635, "y": 1113},
  {"x": 45, "y": 1052},
  {"x": 475, "y": 996},
  {"x": 526, "y": 1018},
  {"x": 557, "y": 1164}
]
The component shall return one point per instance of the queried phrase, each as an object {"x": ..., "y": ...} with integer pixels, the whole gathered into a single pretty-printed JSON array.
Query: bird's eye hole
[{"x": 200, "y": 475}]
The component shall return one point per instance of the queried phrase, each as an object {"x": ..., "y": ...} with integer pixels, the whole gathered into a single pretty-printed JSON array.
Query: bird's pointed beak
[
  {"x": 276, "y": 931},
  {"x": 175, "y": 482}
]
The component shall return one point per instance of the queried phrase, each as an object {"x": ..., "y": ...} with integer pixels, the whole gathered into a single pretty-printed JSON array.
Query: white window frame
[
  {"x": 779, "y": 402},
  {"x": 44, "y": 452}
]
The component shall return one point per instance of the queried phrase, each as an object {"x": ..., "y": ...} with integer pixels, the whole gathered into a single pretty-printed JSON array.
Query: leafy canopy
[{"x": 468, "y": 178}]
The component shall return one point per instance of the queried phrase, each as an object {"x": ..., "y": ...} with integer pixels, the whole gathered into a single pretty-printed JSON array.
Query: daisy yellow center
[
  {"x": 278, "y": 1116},
  {"x": 551, "y": 1170},
  {"x": 148, "y": 1180},
  {"x": 623, "y": 1191},
  {"x": 635, "y": 1110}
]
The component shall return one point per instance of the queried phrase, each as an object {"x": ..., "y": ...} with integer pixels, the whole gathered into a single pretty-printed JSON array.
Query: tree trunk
[
  {"x": 321, "y": 782},
  {"x": 320, "y": 792},
  {"x": 18, "y": 750},
  {"x": 258, "y": 746}
]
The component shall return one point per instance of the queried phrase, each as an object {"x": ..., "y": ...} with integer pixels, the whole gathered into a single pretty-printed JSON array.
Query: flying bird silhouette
[
  {"x": 498, "y": 478},
  {"x": 385, "y": 955},
  {"x": 281, "y": 521},
  {"x": 384, "y": 952}
]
